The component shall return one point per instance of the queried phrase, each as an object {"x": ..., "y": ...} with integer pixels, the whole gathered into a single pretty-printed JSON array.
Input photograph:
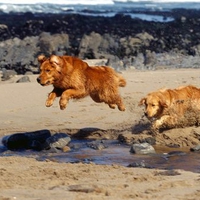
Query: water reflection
[{"x": 119, "y": 154}]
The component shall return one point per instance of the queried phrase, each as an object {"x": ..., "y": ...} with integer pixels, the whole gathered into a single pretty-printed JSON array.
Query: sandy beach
[{"x": 23, "y": 109}]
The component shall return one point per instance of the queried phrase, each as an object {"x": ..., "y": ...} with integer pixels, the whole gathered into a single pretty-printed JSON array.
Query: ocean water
[{"x": 107, "y": 8}]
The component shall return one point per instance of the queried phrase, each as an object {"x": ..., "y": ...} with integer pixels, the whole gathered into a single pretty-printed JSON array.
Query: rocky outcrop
[
  {"x": 21, "y": 54},
  {"x": 123, "y": 41}
]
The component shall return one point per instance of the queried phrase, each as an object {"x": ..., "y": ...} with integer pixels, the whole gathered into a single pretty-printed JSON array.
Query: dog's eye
[
  {"x": 153, "y": 105},
  {"x": 47, "y": 70}
]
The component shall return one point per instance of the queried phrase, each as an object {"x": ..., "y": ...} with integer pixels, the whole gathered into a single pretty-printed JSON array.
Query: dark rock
[
  {"x": 16, "y": 141},
  {"x": 97, "y": 145},
  {"x": 58, "y": 141},
  {"x": 29, "y": 140},
  {"x": 115, "y": 62},
  {"x": 97, "y": 46},
  {"x": 195, "y": 148},
  {"x": 149, "y": 59},
  {"x": 18, "y": 54},
  {"x": 7, "y": 74},
  {"x": 138, "y": 62},
  {"x": 141, "y": 164},
  {"x": 115, "y": 38},
  {"x": 53, "y": 44},
  {"x": 52, "y": 150},
  {"x": 4, "y": 31},
  {"x": 32, "y": 27},
  {"x": 23, "y": 79},
  {"x": 143, "y": 148},
  {"x": 174, "y": 153},
  {"x": 22, "y": 52}
]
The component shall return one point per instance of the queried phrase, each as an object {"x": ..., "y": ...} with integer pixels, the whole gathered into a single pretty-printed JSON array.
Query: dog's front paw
[
  {"x": 49, "y": 103},
  {"x": 62, "y": 107},
  {"x": 154, "y": 126},
  {"x": 63, "y": 104}
]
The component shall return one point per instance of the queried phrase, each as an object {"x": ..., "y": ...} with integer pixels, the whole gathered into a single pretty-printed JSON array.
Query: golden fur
[
  {"x": 72, "y": 78},
  {"x": 169, "y": 106}
]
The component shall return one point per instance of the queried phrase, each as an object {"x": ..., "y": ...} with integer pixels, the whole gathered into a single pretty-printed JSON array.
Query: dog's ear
[
  {"x": 162, "y": 101},
  {"x": 41, "y": 58},
  {"x": 57, "y": 62},
  {"x": 142, "y": 101}
]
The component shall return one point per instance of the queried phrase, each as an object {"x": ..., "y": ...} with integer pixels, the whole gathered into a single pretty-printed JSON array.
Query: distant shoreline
[{"x": 123, "y": 41}]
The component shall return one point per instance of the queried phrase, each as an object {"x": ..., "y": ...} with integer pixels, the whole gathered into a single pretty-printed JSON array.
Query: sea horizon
[
  {"x": 105, "y": 8},
  {"x": 93, "y": 2}
]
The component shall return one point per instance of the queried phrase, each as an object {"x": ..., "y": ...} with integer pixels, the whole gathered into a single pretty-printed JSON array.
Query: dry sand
[{"x": 22, "y": 109}]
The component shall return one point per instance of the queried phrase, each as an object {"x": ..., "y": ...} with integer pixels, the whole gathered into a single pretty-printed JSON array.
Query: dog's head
[
  {"x": 154, "y": 103},
  {"x": 50, "y": 69}
]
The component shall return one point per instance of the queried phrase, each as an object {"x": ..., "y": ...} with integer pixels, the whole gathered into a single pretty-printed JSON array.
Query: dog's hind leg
[
  {"x": 110, "y": 100},
  {"x": 120, "y": 104},
  {"x": 97, "y": 99},
  {"x": 117, "y": 101}
]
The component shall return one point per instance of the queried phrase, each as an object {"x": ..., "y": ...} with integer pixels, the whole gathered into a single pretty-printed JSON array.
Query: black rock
[
  {"x": 97, "y": 145},
  {"x": 29, "y": 140},
  {"x": 16, "y": 141}
]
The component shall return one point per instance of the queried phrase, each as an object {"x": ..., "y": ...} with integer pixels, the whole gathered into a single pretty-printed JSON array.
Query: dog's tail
[{"x": 121, "y": 81}]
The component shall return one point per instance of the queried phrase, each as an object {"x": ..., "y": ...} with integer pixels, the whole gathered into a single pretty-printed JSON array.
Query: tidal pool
[{"x": 116, "y": 153}]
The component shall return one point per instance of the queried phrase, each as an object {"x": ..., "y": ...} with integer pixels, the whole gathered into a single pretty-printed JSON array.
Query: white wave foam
[
  {"x": 92, "y": 2},
  {"x": 157, "y": 1},
  {"x": 64, "y": 2},
  {"x": 106, "y": 8}
]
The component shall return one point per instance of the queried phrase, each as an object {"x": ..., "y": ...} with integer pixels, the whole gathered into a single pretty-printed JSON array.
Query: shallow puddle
[{"x": 115, "y": 153}]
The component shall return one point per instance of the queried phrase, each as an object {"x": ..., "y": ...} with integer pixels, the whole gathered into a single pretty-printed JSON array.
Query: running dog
[
  {"x": 73, "y": 78},
  {"x": 167, "y": 107}
]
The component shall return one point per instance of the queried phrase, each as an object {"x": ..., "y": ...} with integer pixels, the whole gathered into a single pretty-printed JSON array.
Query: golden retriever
[
  {"x": 72, "y": 78},
  {"x": 169, "y": 106}
]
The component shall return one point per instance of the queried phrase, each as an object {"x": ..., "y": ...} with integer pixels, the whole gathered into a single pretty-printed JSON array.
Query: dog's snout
[
  {"x": 38, "y": 79},
  {"x": 145, "y": 113}
]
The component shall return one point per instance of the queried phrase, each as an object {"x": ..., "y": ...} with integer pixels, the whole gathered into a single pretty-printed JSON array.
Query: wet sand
[{"x": 22, "y": 109}]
